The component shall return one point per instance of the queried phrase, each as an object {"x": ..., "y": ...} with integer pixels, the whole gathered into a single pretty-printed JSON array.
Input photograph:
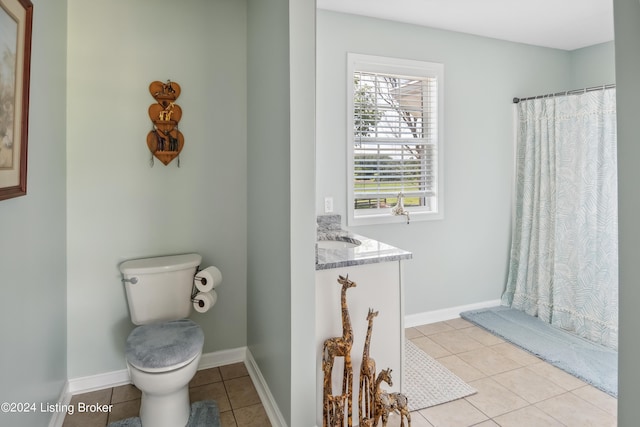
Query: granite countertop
[{"x": 370, "y": 251}]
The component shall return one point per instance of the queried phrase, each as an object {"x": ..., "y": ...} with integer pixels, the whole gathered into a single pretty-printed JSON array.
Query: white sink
[{"x": 337, "y": 244}]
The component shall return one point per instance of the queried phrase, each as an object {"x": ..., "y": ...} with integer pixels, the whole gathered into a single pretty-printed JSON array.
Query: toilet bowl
[
  {"x": 162, "y": 358},
  {"x": 165, "y": 395}
]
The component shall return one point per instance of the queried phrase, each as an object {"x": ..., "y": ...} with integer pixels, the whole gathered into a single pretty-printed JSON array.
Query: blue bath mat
[
  {"x": 591, "y": 362},
  {"x": 203, "y": 414}
]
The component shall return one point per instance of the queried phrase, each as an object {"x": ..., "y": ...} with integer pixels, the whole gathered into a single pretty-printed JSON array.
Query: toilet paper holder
[
  {"x": 194, "y": 290},
  {"x": 204, "y": 283},
  {"x": 199, "y": 301},
  {"x": 202, "y": 280}
]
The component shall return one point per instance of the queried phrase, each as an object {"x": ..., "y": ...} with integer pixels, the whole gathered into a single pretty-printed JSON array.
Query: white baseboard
[
  {"x": 269, "y": 403},
  {"x": 98, "y": 382},
  {"x": 57, "y": 418},
  {"x": 418, "y": 319},
  {"x": 223, "y": 357},
  {"x": 209, "y": 360},
  {"x": 121, "y": 377}
]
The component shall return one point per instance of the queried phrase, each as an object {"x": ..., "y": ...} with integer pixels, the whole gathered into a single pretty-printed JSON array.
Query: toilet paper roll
[
  {"x": 207, "y": 279},
  {"x": 203, "y": 301}
]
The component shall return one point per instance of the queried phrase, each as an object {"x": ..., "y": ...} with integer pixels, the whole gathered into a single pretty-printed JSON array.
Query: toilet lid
[{"x": 164, "y": 346}]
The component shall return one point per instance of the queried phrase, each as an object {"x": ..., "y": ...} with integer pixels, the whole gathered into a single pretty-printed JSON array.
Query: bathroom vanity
[{"x": 376, "y": 268}]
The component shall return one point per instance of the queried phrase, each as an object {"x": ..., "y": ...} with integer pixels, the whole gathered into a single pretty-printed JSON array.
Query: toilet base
[
  {"x": 165, "y": 395},
  {"x": 170, "y": 410}
]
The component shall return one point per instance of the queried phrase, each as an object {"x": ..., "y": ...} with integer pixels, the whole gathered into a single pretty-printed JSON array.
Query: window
[{"x": 395, "y": 138}]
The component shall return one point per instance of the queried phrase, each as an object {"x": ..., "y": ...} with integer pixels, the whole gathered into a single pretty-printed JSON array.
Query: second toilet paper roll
[
  {"x": 203, "y": 301},
  {"x": 207, "y": 279}
]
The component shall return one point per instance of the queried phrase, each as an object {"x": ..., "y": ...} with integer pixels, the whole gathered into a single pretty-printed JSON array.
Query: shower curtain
[{"x": 564, "y": 251}]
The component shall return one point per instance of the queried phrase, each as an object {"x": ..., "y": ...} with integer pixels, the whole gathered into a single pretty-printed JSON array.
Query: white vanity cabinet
[{"x": 379, "y": 286}]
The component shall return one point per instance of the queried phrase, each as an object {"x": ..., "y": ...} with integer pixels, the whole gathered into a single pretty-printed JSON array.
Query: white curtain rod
[{"x": 569, "y": 92}]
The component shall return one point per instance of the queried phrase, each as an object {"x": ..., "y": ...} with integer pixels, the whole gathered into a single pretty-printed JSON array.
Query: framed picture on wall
[{"x": 16, "y": 17}]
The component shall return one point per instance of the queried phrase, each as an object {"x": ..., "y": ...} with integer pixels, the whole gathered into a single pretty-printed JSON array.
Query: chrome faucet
[{"x": 398, "y": 209}]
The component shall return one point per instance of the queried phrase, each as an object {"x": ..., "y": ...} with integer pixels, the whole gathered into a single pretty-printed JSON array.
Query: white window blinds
[{"x": 395, "y": 141}]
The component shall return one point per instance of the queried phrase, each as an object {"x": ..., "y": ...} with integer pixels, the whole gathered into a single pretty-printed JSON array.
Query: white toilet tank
[{"x": 159, "y": 289}]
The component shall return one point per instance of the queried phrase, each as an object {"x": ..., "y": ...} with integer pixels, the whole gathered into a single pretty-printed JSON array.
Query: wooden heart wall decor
[{"x": 165, "y": 141}]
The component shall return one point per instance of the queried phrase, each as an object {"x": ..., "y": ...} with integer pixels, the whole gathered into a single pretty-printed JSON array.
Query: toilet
[{"x": 163, "y": 352}]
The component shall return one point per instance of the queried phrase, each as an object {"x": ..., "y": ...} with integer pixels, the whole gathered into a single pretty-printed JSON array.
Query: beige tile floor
[
  {"x": 515, "y": 389},
  {"x": 230, "y": 386}
]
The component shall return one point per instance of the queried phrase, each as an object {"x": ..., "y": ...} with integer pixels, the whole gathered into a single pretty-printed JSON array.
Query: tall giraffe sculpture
[
  {"x": 339, "y": 347},
  {"x": 366, "y": 406}
]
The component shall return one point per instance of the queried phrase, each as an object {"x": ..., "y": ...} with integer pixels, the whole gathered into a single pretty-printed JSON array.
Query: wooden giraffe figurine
[
  {"x": 366, "y": 406},
  {"x": 387, "y": 403},
  {"x": 339, "y": 347}
]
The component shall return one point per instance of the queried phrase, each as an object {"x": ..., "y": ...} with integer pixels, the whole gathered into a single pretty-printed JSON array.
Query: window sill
[{"x": 388, "y": 218}]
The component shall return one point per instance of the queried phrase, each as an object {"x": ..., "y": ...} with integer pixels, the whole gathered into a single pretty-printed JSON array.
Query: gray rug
[
  {"x": 428, "y": 383},
  {"x": 591, "y": 362},
  {"x": 203, "y": 414}
]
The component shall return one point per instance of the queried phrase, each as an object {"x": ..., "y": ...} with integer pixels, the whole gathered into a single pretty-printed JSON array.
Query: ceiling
[{"x": 560, "y": 24}]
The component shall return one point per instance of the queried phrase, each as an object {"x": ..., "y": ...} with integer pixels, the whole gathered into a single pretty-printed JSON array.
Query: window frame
[{"x": 401, "y": 67}]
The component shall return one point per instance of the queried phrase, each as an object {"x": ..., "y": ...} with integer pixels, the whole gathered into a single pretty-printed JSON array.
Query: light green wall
[
  {"x": 118, "y": 206},
  {"x": 269, "y": 265},
  {"x": 463, "y": 258},
  {"x": 281, "y": 214},
  {"x": 593, "y": 66},
  {"x": 33, "y": 359},
  {"x": 627, "y": 32}
]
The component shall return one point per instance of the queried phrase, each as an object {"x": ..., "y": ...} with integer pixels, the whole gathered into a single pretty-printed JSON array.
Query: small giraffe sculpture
[
  {"x": 387, "y": 403},
  {"x": 339, "y": 347},
  {"x": 366, "y": 391}
]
